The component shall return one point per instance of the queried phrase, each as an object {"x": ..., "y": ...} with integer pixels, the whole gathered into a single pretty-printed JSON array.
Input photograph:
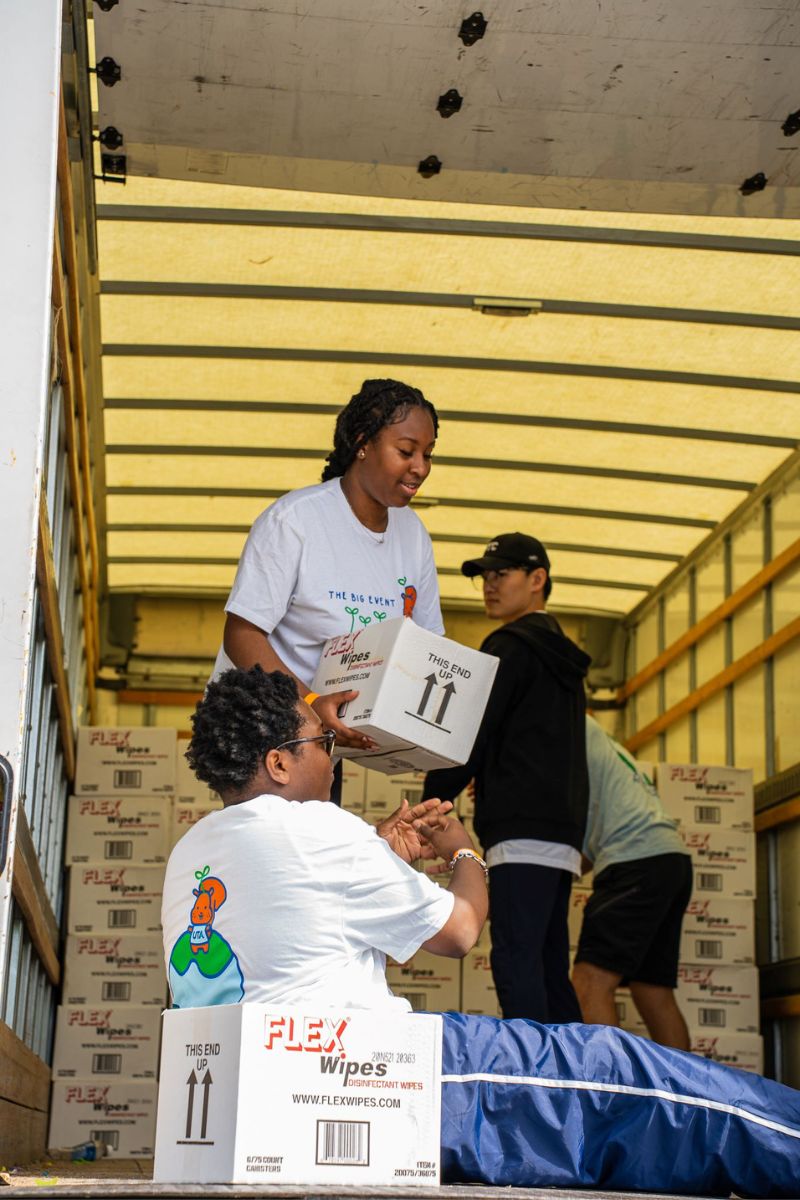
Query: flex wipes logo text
[
  {"x": 322, "y": 1036},
  {"x": 344, "y": 648}
]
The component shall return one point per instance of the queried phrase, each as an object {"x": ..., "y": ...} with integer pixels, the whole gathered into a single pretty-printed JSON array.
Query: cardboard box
[
  {"x": 709, "y": 797},
  {"x": 124, "y": 829},
  {"x": 125, "y": 761},
  {"x": 724, "y": 862},
  {"x": 719, "y": 999},
  {"x": 421, "y": 697},
  {"x": 104, "y": 899},
  {"x": 121, "y": 1114},
  {"x": 117, "y": 1041},
  {"x": 478, "y": 993},
  {"x": 745, "y": 1051},
  {"x": 719, "y": 932},
  {"x": 188, "y": 788},
  {"x": 259, "y": 1095},
  {"x": 385, "y": 793},
  {"x": 184, "y": 816},
  {"x": 354, "y": 786},
  {"x": 103, "y": 970},
  {"x": 429, "y": 982},
  {"x": 578, "y": 899}
]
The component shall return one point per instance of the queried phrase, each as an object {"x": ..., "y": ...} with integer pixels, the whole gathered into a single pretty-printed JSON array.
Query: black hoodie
[{"x": 529, "y": 758}]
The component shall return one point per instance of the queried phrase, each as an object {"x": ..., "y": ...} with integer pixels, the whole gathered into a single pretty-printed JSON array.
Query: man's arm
[{"x": 468, "y": 888}]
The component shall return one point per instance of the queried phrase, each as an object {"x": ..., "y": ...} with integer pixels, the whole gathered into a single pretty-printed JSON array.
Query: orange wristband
[{"x": 310, "y": 698}]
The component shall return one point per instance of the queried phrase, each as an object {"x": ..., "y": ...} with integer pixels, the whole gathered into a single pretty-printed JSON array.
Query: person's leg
[
  {"x": 562, "y": 1003},
  {"x": 653, "y": 983},
  {"x": 521, "y": 898},
  {"x": 659, "y": 1011},
  {"x": 595, "y": 988},
  {"x": 568, "y": 1106}
]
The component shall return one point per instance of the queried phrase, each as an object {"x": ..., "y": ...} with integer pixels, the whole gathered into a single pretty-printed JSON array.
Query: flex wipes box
[
  {"x": 744, "y": 1051},
  {"x": 719, "y": 999},
  {"x": 105, "y": 899},
  {"x": 188, "y": 788},
  {"x": 718, "y": 932},
  {"x": 724, "y": 862},
  {"x": 421, "y": 696},
  {"x": 429, "y": 982},
  {"x": 478, "y": 993},
  {"x": 385, "y": 793},
  {"x": 711, "y": 797},
  {"x": 261, "y": 1095},
  {"x": 110, "y": 969},
  {"x": 184, "y": 816},
  {"x": 130, "y": 761},
  {"x": 106, "y": 1041},
  {"x": 130, "y": 829},
  {"x": 121, "y": 1115}
]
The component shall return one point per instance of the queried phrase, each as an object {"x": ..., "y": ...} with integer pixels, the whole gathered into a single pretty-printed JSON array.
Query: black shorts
[{"x": 632, "y": 922}]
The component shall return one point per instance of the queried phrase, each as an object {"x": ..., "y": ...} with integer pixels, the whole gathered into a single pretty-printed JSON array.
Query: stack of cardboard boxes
[
  {"x": 134, "y": 796},
  {"x": 717, "y": 977}
]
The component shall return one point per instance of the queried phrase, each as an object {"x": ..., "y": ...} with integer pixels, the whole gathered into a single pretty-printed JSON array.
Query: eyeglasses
[{"x": 327, "y": 739}]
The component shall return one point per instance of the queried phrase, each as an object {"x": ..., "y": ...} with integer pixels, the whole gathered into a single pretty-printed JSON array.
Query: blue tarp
[{"x": 590, "y": 1106}]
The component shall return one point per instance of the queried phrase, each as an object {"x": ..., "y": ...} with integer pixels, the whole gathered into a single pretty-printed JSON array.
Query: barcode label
[
  {"x": 708, "y": 949},
  {"x": 417, "y": 1000},
  {"x": 343, "y": 1143},
  {"x": 127, "y": 779},
  {"x": 707, "y": 814},
  {"x": 119, "y": 849},
  {"x": 106, "y": 1064},
  {"x": 116, "y": 990},
  {"x": 121, "y": 918},
  {"x": 108, "y": 1137},
  {"x": 708, "y": 881},
  {"x": 712, "y": 1016}
]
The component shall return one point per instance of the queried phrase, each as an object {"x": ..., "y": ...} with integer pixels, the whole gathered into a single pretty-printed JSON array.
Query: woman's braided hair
[
  {"x": 242, "y": 716},
  {"x": 380, "y": 402}
]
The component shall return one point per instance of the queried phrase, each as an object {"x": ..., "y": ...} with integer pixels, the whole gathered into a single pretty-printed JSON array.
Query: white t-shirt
[
  {"x": 280, "y": 902},
  {"x": 310, "y": 571}
]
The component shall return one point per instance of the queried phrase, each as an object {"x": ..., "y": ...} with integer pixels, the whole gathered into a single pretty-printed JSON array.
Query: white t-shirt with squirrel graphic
[
  {"x": 280, "y": 902},
  {"x": 310, "y": 571}
]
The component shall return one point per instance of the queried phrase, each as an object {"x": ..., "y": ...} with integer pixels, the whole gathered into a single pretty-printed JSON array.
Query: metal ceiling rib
[{"x": 654, "y": 381}]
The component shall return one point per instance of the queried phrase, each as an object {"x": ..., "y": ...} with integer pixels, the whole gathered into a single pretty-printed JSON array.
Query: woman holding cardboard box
[{"x": 335, "y": 557}]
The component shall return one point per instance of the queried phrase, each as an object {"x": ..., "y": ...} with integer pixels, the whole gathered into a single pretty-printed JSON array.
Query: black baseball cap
[{"x": 508, "y": 550}]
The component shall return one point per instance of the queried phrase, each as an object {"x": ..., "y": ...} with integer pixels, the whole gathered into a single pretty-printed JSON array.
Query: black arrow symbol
[
  {"x": 449, "y": 690},
  {"x": 192, "y": 1082},
  {"x": 207, "y": 1082},
  {"x": 430, "y": 683}
]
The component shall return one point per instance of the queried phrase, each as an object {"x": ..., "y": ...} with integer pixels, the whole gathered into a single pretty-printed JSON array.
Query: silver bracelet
[{"x": 473, "y": 854}]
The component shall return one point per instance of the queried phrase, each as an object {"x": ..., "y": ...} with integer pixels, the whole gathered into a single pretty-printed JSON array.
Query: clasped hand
[{"x": 412, "y": 831}]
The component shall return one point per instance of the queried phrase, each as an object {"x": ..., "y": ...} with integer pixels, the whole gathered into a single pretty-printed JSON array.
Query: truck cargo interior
[{"x": 575, "y": 228}]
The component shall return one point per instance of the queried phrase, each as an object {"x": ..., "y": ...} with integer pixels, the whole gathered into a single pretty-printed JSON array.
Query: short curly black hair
[
  {"x": 380, "y": 402},
  {"x": 242, "y": 716}
]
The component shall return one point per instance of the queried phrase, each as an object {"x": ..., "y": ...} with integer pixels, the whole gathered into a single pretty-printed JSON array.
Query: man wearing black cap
[{"x": 531, "y": 781}]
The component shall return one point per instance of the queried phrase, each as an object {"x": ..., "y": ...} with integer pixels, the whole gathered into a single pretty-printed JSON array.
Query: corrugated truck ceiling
[{"x": 642, "y": 383}]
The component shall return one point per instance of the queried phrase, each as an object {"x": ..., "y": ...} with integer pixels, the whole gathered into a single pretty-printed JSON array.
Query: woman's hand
[
  {"x": 327, "y": 709},
  {"x": 443, "y": 838},
  {"x": 402, "y": 830}
]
